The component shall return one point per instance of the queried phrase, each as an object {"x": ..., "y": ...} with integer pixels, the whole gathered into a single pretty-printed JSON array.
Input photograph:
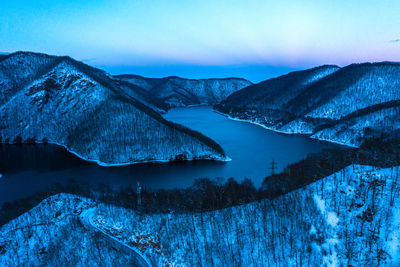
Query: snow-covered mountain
[
  {"x": 179, "y": 92},
  {"x": 60, "y": 100},
  {"x": 345, "y": 105},
  {"x": 143, "y": 96},
  {"x": 350, "y": 218}
]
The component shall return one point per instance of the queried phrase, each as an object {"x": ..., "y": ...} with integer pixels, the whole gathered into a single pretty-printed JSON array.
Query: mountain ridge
[
  {"x": 180, "y": 92},
  {"x": 331, "y": 100},
  {"x": 84, "y": 109}
]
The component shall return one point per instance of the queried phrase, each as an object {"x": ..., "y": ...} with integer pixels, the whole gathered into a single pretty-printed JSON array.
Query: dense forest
[
  {"x": 63, "y": 101},
  {"x": 180, "y": 92},
  {"x": 345, "y": 105},
  {"x": 208, "y": 194},
  {"x": 347, "y": 218}
]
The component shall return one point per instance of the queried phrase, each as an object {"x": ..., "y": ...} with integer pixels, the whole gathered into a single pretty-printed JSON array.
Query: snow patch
[
  {"x": 331, "y": 218},
  {"x": 393, "y": 242},
  {"x": 320, "y": 203}
]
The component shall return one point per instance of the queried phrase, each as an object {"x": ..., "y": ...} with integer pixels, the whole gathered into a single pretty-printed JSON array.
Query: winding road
[{"x": 86, "y": 218}]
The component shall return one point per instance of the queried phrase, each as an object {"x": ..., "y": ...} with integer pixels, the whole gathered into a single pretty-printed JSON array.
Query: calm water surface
[{"x": 28, "y": 169}]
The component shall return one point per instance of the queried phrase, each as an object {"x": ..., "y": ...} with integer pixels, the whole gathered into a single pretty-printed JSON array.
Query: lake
[{"x": 27, "y": 169}]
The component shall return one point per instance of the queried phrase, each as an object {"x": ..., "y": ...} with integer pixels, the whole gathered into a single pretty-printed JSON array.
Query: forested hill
[
  {"x": 346, "y": 105},
  {"x": 349, "y": 218},
  {"x": 180, "y": 92},
  {"x": 57, "y": 99}
]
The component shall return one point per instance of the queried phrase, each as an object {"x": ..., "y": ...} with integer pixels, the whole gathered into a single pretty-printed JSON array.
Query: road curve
[{"x": 86, "y": 218}]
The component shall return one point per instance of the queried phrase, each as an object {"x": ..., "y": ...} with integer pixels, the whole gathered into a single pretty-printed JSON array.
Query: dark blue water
[{"x": 28, "y": 169}]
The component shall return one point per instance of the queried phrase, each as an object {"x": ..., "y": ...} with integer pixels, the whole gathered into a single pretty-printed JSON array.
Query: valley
[
  {"x": 199, "y": 133},
  {"x": 217, "y": 189},
  {"x": 249, "y": 147}
]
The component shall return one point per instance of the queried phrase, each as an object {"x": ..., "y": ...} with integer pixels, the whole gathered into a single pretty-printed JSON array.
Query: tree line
[{"x": 211, "y": 194}]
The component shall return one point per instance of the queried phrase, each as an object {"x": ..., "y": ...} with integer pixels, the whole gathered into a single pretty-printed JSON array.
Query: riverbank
[
  {"x": 105, "y": 164},
  {"x": 284, "y": 132},
  {"x": 250, "y": 149}
]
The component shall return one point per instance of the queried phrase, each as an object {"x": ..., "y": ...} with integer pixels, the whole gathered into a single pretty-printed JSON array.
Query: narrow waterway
[{"x": 27, "y": 169}]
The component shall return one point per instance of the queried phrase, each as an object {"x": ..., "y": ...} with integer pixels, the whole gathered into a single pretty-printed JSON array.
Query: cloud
[{"x": 395, "y": 41}]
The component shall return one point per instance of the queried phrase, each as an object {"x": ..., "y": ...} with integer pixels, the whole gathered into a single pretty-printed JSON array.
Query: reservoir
[{"x": 27, "y": 169}]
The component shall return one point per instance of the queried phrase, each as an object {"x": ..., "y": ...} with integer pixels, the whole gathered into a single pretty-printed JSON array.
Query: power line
[{"x": 273, "y": 166}]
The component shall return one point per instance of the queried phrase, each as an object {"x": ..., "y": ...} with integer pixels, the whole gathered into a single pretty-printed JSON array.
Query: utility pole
[
  {"x": 272, "y": 168},
  {"x": 139, "y": 194}
]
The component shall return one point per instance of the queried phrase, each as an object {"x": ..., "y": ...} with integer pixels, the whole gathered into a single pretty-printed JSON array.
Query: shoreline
[
  {"x": 283, "y": 132},
  {"x": 104, "y": 164}
]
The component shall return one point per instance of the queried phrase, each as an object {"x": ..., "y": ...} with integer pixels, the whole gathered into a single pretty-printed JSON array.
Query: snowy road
[{"x": 86, "y": 218}]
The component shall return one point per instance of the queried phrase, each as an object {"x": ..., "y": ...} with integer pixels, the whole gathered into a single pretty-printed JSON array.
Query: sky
[{"x": 254, "y": 39}]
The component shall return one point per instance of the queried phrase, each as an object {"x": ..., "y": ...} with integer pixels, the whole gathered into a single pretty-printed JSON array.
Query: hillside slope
[
  {"x": 143, "y": 96},
  {"x": 53, "y": 236},
  {"x": 338, "y": 101},
  {"x": 180, "y": 92},
  {"x": 66, "y": 102},
  {"x": 348, "y": 218}
]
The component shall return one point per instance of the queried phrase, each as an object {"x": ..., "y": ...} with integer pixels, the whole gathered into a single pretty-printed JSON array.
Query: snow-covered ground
[
  {"x": 180, "y": 92},
  {"x": 379, "y": 84},
  {"x": 320, "y": 101},
  {"x": 354, "y": 131},
  {"x": 348, "y": 218},
  {"x": 51, "y": 235},
  {"x": 68, "y": 103}
]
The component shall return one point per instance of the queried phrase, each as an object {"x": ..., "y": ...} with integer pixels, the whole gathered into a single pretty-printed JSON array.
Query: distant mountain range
[
  {"x": 346, "y": 105},
  {"x": 59, "y": 100},
  {"x": 180, "y": 92}
]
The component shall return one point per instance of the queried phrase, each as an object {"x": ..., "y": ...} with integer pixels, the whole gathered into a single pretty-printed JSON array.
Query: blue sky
[{"x": 206, "y": 38}]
